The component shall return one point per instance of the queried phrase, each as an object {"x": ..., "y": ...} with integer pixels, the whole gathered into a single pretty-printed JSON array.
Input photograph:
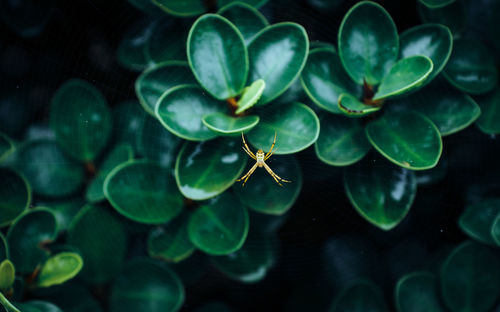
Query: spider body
[{"x": 260, "y": 161}]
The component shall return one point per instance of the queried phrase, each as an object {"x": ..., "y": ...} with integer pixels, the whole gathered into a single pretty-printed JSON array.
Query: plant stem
[{"x": 7, "y": 305}]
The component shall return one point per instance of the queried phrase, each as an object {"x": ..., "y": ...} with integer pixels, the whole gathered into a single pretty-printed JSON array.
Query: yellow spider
[{"x": 261, "y": 158}]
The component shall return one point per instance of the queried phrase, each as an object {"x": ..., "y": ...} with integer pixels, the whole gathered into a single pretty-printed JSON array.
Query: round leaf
[
  {"x": 296, "y": 127},
  {"x": 471, "y": 67},
  {"x": 220, "y": 226},
  {"x": 6, "y": 146},
  {"x": 254, "y": 3},
  {"x": 15, "y": 193},
  {"x": 367, "y": 42},
  {"x": 206, "y": 169},
  {"x": 157, "y": 51},
  {"x": 248, "y": 20},
  {"x": 49, "y": 171},
  {"x": 182, "y": 108},
  {"x": 382, "y": 195},
  {"x": 183, "y": 8},
  {"x": 477, "y": 220},
  {"x": 155, "y": 81},
  {"x": 59, "y": 268},
  {"x": 7, "y": 274},
  {"x": 324, "y": 79},
  {"x": 490, "y": 112},
  {"x": 64, "y": 210},
  {"x": 351, "y": 106},
  {"x": 454, "y": 15},
  {"x": 225, "y": 124},
  {"x": 360, "y": 297},
  {"x": 407, "y": 74},
  {"x": 218, "y": 56},
  {"x": 146, "y": 286},
  {"x": 102, "y": 248},
  {"x": 264, "y": 195},
  {"x": 341, "y": 141},
  {"x": 38, "y": 306},
  {"x": 144, "y": 192},
  {"x": 434, "y": 4},
  {"x": 127, "y": 118},
  {"x": 470, "y": 278},
  {"x": 250, "y": 96},
  {"x": 418, "y": 292},
  {"x": 27, "y": 236},
  {"x": 407, "y": 139},
  {"x": 277, "y": 55},
  {"x": 145, "y": 6},
  {"x": 130, "y": 52},
  {"x": 80, "y": 119},
  {"x": 4, "y": 250}
]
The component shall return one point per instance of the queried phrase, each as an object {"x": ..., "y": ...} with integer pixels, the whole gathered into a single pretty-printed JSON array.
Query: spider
[{"x": 261, "y": 158}]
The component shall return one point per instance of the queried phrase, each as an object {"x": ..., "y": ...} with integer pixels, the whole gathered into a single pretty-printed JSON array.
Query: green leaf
[
  {"x": 127, "y": 118},
  {"x": 296, "y": 126},
  {"x": 145, "y": 6},
  {"x": 432, "y": 40},
  {"x": 495, "y": 230},
  {"x": 119, "y": 154},
  {"x": 351, "y": 106},
  {"x": 250, "y": 96},
  {"x": 406, "y": 75},
  {"x": 418, "y": 292},
  {"x": 277, "y": 55},
  {"x": 167, "y": 42},
  {"x": 453, "y": 15},
  {"x": 27, "y": 237},
  {"x": 248, "y": 20},
  {"x": 143, "y": 191},
  {"x": 38, "y": 306},
  {"x": 435, "y": 4},
  {"x": 64, "y": 210},
  {"x": 103, "y": 248},
  {"x": 324, "y": 79},
  {"x": 227, "y": 125},
  {"x": 254, "y": 3},
  {"x": 59, "y": 269},
  {"x": 146, "y": 286},
  {"x": 264, "y": 195},
  {"x": 7, "y": 274},
  {"x": 49, "y": 171},
  {"x": 471, "y": 67},
  {"x": 182, "y": 8},
  {"x": 218, "y": 56},
  {"x": 407, "y": 139},
  {"x": 250, "y": 263},
  {"x": 182, "y": 108},
  {"x": 6, "y": 146},
  {"x": 9, "y": 307},
  {"x": 341, "y": 141},
  {"x": 219, "y": 226},
  {"x": 316, "y": 44},
  {"x": 367, "y": 42},
  {"x": 470, "y": 278},
  {"x": 360, "y": 297},
  {"x": 490, "y": 112},
  {"x": 4, "y": 250},
  {"x": 155, "y": 81},
  {"x": 80, "y": 119},
  {"x": 382, "y": 195},
  {"x": 171, "y": 241},
  {"x": 15, "y": 193},
  {"x": 477, "y": 220},
  {"x": 72, "y": 296},
  {"x": 130, "y": 53},
  {"x": 206, "y": 169},
  {"x": 449, "y": 109}
]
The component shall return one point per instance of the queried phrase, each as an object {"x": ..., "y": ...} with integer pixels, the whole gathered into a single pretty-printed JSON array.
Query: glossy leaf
[
  {"x": 407, "y": 139},
  {"x": 72, "y": 297},
  {"x": 80, "y": 119},
  {"x": 119, "y": 154},
  {"x": 227, "y": 125},
  {"x": 418, "y": 292},
  {"x": 103, "y": 248},
  {"x": 182, "y": 108},
  {"x": 324, "y": 79},
  {"x": 470, "y": 278},
  {"x": 277, "y": 55},
  {"x": 49, "y": 171},
  {"x": 296, "y": 127},
  {"x": 351, "y": 106},
  {"x": 361, "y": 296},
  {"x": 264, "y": 195},
  {"x": 155, "y": 81},
  {"x": 130, "y": 53},
  {"x": 495, "y": 230},
  {"x": 167, "y": 42},
  {"x": 15, "y": 193},
  {"x": 145, "y": 285},
  {"x": 471, "y": 67},
  {"x": 7, "y": 274},
  {"x": 4, "y": 250},
  {"x": 218, "y": 56},
  {"x": 453, "y": 15},
  {"x": 250, "y": 96},
  {"x": 143, "y": 191},
  {"x": 38, "y": 306},
  {"x": 206, "y": 169},
  {"x": 254, "y": 3},
  {"x": 27, "y": 236},
  {"x": 64, "y": 210},
  {"x": 341, "y": 141},
  {"x": 171, "y": 241},
  {"x": 127, "y": 118},
  {"x": 183, "y": 8},
  {"x": 220, "y": 226},
  {"x": 59, "y": 268},
  {"x": 434, "y": 4},
  {"x": 477, "y": 220},
  {"x": 145, "y": 6},
  {"x": 380, "y": 194},
  {"x": 406, "y": 75},
  {"x": 248, "y": 20},
  {"x": 488, "y": 122},
  {"x": 432, "y": 40},
  {"x": 6, "y": 146},
  {"x": 367, "y": 42}
]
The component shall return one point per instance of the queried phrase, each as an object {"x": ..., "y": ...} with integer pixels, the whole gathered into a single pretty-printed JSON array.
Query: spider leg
[
  {"x": 248, "y": 148},
  {"x": 248, "y": 174},
  {"x": 249, "y": 153},
  {"x": 272, "y": 146},
  {"x": 269, "y": 156},
  {"x": 274, "y": 175}
]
